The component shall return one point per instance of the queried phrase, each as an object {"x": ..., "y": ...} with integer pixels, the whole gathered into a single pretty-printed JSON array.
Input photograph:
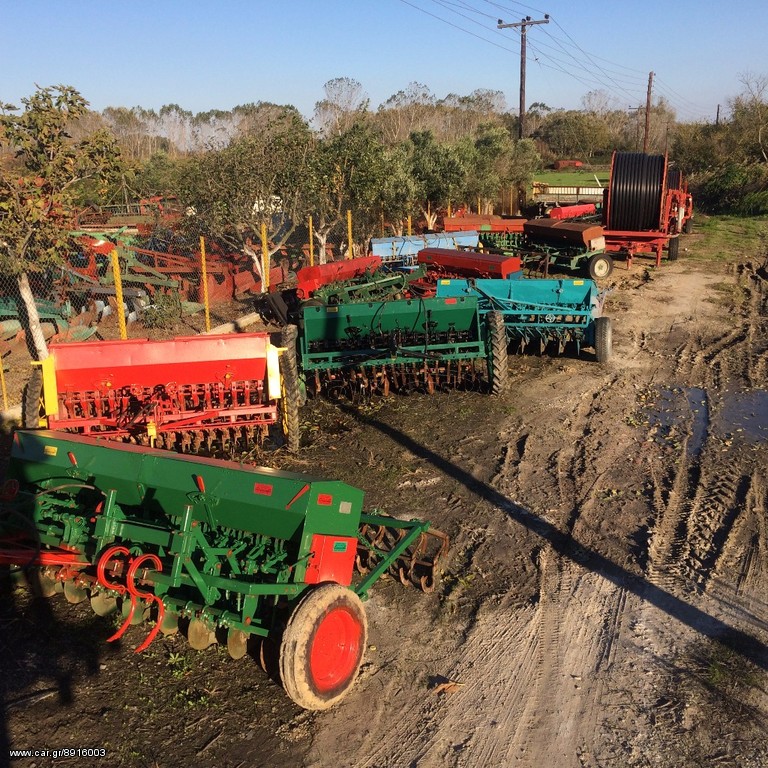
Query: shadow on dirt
[
  {"x": 740, "y": 642},
  {"x": 41, "y": 656}
]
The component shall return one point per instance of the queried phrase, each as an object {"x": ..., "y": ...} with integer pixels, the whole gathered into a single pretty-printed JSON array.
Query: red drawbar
[{"x": 332, "y": 559}]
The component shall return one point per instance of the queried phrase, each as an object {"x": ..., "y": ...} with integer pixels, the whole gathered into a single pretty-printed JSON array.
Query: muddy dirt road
[{"x": 604, "y": 602}]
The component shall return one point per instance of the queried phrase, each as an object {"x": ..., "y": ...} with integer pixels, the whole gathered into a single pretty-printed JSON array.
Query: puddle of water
[
  {"x": 699, "y": 405},
  {"x": 745, "y": 413},
  {"x": 676, "y": 411},
  {"x": 672, "y": 412}
]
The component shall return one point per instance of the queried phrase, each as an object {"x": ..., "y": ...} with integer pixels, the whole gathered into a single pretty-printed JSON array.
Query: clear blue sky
[{"x": 216, "y": 55}]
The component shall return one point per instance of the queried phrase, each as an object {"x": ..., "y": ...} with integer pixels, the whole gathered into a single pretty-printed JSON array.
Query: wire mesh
[{"x": 160, "y": 276}]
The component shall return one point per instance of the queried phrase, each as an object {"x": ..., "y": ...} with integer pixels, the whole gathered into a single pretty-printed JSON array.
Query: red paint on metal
[
  {"x": 262, "y": 489},
  {"x": 21, "y": 556},
  {"x": 324, "y": 499},
  {"x": 310, "y": 278},
  {"x": 100, "y": 365},
  {"x": 335, "y": 650},
  {"x": 200, "y": 483},
  {"x": 570, "y": 211},
  {"x": 297, "y": 496},
  {"x": 482, "y": 223},
  {"x": 470, "y": 263},
  {"x": 332, "y": 558}
]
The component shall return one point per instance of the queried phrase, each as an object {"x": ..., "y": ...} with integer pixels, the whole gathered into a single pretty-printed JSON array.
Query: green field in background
[{"x": 580, "y": 178}]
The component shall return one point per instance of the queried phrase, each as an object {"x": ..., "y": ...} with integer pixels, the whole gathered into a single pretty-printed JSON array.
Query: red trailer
[
  {"x": 484, "y": 223},
  {"x": 646, "y": 206}
]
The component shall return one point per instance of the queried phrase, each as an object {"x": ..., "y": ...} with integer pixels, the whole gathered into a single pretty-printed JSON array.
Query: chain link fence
[{"x": 150, "y": 271}]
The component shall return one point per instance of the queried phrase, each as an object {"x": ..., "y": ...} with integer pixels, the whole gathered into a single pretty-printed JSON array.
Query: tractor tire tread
[
  {"x": 30, "y": 399},
  {"x": 291, "y": 399},
  {"x": 499, "y": 364},
  {"x": 297, "y": 640},
  {"x": 603, "y": 339}
]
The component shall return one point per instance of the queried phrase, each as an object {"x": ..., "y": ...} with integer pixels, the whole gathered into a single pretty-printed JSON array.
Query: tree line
[{"x": 265, "y": 164}]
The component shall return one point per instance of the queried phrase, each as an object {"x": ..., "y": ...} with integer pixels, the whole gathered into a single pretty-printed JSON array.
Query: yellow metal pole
[
  {"x": 478, "y": 206},
  {"x": 311, "y": 244},
  {"x": 350, "y": 252},
  {"x": 450, "y": 213},
  {"x": 119, "y": 294},
  {"x": 410, "y": 222},
  {"x": 205, "y": 286},
  {"x": 382, "y": 225},
  {"x": 2, "y": 383},
  {"x": 264, "y": 259}
]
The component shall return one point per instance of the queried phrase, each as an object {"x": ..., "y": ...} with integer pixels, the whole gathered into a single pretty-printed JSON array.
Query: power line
[
  {"x": 590, "y": 72},
  {"x": 456, "y": 26}
]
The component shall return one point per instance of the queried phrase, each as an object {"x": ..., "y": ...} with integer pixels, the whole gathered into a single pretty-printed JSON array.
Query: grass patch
[
  {"x": 727, "y": 238},
  {"x": 580, "y": 178},
  {"x": 727, "y": 295}
]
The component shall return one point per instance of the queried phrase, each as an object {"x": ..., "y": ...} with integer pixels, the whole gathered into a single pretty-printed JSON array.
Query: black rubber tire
[
  {"x": 291, "y": 390},
  {"x": 31, "y": 400},
  {"x": 688, "y": 227},
  {"x": 498, "y": 363},
  {"x": 324, "y": 609},
  {"x": 673, "y": 249},
  {"x": 600, "y": 266},
  {"x": 603, "y": 339}
]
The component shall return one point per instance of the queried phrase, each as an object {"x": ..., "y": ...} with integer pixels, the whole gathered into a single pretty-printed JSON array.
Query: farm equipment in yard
[
  {"x": 335, "y": 282},
  {"x": 483, "y": 223},
  {"x": 406, "y": 345},
  {"x": 146, "y": 272},
  {"x": 446, "y": 262},
  {"x": 233, "y": 550},
  {"x": 647, "y": 206},
  {"x": 548, "y": 244},
  {"x": 186, "y": 393},
  {"x": 58, "y": 323},
  {"x": 400, "y": 252},
  {"x": 543, "y": 312}
]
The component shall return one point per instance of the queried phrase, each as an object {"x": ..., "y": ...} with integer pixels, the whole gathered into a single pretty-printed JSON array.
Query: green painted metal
[
  {"x": 380, "y": 285},
  {"x": 218, "y": 527},
  {"x": 535, "y": 255},
  {"x": 402, "y": 331},
  {"x": 230, "y": 540}
]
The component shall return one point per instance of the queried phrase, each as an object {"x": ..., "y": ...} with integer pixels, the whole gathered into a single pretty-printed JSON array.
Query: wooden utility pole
[
  {"x": 648, "y": 113},
  {"x": 523, "y": 24}
]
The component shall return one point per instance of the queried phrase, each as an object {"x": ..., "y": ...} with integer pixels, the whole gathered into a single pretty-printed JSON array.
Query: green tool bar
[{"x": 414, "y": 527}]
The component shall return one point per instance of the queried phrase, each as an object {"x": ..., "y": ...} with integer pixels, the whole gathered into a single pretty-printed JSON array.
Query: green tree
[
  {"x": 494, "y": 161},
  {"x": 257, "y": 179},
  {"x": 36, "y": 189},
  {"x": 344, "y": 172},
  {"x": 438, "y": 174},
  {"x": 399, "y": 189}
]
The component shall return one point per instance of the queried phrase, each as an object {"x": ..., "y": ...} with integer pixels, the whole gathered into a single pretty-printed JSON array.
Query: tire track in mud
[
  {"x": 717, "y": 503},
  {"x": 527, "y": 674},
  {"x": 699, "y": 500},
  {"x": 530, "y": 683},
  {"x": 744, "y": 554}
]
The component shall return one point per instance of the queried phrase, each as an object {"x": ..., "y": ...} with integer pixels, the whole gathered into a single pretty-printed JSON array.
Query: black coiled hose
[{"x": 636, "y": 189}]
